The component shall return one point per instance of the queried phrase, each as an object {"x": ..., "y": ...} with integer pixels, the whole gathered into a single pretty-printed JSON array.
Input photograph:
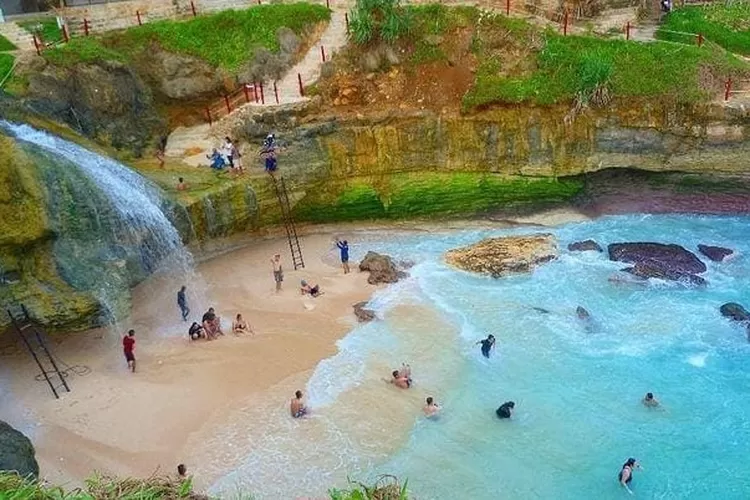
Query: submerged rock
[
  {"x": 16, "y": 452},
  {"x": 584, "y": 246},
  {"x": 381, "y": 267},
  {"x": 499, "y": 257},
  {"x": 363, "y": 314},
  {"x": 658, "y": 260},
  {"x": 734, "y": 311},
  {"x": 648, "y": 271},
  {"x": 716, "y": 254}
]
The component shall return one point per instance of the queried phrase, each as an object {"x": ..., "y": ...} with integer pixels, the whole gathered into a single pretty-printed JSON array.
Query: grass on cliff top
[
  {"x": 564, "y": 66},
  {"x": 725, "y": 25},
  {"x": 6, "y": 45},
  {"x": 50, "y": 32},
  {"x": 226, "y": 39},
  {"x": 6, "y": 64}
]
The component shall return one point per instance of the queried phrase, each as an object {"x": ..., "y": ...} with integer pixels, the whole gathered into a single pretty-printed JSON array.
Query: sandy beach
[{"x": 202, "y": 403}]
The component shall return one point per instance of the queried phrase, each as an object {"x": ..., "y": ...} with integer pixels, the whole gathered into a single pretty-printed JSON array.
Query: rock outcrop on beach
[
  {"x": 363, "y": 314},
  {"x": 716, "y": 254},
  {"x": 584, "y": 246},
  {"x": 499, "y": 257},
  {"x": 734, "y": 311},
  {"x": 659, "y": 260},
  {"x": 382, "y": 269},
  {"x": 16, "y": 452}
]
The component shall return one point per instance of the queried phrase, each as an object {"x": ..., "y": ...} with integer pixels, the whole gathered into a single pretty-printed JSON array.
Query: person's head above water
[
  {"x": 490, "y": 337},
  {"x": 582, "y": 313},
  {"x": 509, "y": 404},
  {"x": 429, "y": 400},
  {"x": 395, "y": 373},
  {"x": 298, "y": 394},
  {"x": 649, "y": 396},
  {"x": 630, "y": 463},
  {"x": 211, "y": 310}
]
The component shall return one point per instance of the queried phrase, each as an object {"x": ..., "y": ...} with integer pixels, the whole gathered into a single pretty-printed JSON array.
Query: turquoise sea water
[{"x": 577, "y": 390}]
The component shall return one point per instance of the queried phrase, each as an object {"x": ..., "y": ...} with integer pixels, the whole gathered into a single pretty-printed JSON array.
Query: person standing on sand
[
  {"x": 297, "y": 406},
  {"x": 278, "y": 272},
  {"x": 343, "y": 247},
  {"x": 182, "y": 303},
  {"x": 128, "y": 348}
]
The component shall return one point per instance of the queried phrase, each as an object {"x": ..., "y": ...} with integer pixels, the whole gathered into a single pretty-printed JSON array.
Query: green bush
[
  {"x": 227, "y": 39},
  {"x": 727, "y": 25},
  {"x": 376, "y": 20}
]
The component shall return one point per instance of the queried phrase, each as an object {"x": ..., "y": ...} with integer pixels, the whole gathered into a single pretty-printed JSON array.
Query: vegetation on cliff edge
[
  {"x": 726, "y": 24},
  {"x": 226, "y": 39}
]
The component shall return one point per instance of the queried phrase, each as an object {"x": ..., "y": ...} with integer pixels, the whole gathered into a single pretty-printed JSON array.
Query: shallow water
[{"x": 577, "y": 388}]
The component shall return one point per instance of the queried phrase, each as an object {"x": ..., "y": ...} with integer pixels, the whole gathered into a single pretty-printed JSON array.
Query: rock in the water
[
  {"x": 16, "y": 452},
  {"x": 668, "y": 261},
  {"x": 716, "y": 254},
  {"x": 362, "y": 313},
  {"x": 381, "y": 267},
  {"x": 650, "y": 271},
  {"x": 586, "y": 245},
  {"x": 734, "y": 311},
  {"x": 507, "y": 255}
]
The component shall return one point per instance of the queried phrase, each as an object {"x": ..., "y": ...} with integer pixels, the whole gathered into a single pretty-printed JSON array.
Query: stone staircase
[{"x": 18, "y": 36}]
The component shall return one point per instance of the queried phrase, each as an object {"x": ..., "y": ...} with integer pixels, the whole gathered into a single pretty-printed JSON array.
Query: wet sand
[{"x": 208, "y": 404}]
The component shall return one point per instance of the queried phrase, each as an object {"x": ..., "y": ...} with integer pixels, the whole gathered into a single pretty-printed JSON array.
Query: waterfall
[{"x": 112, "y": 231}]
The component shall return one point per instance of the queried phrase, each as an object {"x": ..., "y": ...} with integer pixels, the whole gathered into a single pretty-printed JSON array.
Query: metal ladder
[
  {"x": 286, "y": 216},
  {"x": 31, "y": 335}
]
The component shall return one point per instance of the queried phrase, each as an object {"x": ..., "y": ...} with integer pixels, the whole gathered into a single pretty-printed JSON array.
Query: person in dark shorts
[
  {"x": 182, "y": 303},
  {"x": 505, "y": 410},
  {"x": 297, "y": 406},
  {"x": 270, "y": 163},
  {"x": 196, "y": 331},
  {"x": 487, "y": 345},
  {"x": 128, "y": 348},
  {"x": 278, "y": 271},
  {"x": 343, "y": 247}
]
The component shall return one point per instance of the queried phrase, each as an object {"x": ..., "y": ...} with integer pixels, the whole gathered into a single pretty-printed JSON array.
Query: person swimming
[
  {"x": 626, "y": 473},
  {"x": 650, "y": 401},
  {"x": 431, "y": 409},
  {"x": 487, "y": 345},
  {"x": 401, "y": 378},
  {"x": 505, "y": 410}
]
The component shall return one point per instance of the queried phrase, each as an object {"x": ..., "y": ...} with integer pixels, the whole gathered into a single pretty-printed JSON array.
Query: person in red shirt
[{"x": 128, "y": 346}]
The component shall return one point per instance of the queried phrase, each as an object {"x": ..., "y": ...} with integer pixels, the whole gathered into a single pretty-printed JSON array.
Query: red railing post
[
  {"x": 700, "y": 39},
  {"x": 208, "y": 115},
  {"x": 255, "y": 91},
  {"x": 138, "y": 15},
  {"x": 507, "y": 7},
  {"x": 65, "y": 33},
  {"x": 262, "y": 97},
  {"x": 276, "y": 92},
  {"x": 192, "y": 7},
  {"x": 86, "y": 26},
  {"x": 301, "y": 88},
  {"x": 226, "y": 101},
  {"x": 727, "y": 89},
  {"x": 565, "y": 24},
  {"x": 328, "y": 4},
  {"x": 346, "y": 18},
  {"x": 258, "y": 2},
  {"x": 37, "y": 47},
  {"x": 323, "y": 53},
  {"x": 247, "y": 93},
  {"x": 627, "y": 31}
]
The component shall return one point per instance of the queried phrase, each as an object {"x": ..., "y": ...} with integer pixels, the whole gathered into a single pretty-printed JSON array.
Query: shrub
[{"x": 376, "y": 20}]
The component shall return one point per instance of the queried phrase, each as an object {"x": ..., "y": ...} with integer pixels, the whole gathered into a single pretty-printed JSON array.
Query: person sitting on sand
[
  {"x": 217, "y": 161},
  {"x": 431, "y": 409},
  {"x": 196, "y": 331},
  {"x": 240, "y": 326},
  {"x": 650, "y": 401},
  {"x": 182, "y": 472},
  {"x": 209, "y": 324},
  {"x": 505, "y": 410},
  {"x": 401, "y": 378},
  {"x": 181, "y": 184},
  {"x": 297, "y": 406},
  {"x": 313, "y": 291},
  {"x": 487, "y": 345}
]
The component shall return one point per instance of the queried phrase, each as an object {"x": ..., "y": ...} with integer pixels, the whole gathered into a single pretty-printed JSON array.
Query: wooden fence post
[
  {"x": 192, "y": 7},
  {"x": 86, "y": 26},
  {"x": 65, "y": 33},
  {"x": 247, "y": 93},
  {"x": 36, "y": 45},
  {"x": 262, "y": 97},
  {"x": 301, "y": 88},
  {"x": 323, "y": 53},
  {"x": 627, "y": 31},
  {"x": 138, "y": 15},
  {"x": 208, "y": 115},
  {"x": 507, "y": 7},
  {"x": 727, "y": 89},
  {"x": 226, "y": 101},
  {"x": 276, "y": 92},
  {"x": 565, "y": 24}
]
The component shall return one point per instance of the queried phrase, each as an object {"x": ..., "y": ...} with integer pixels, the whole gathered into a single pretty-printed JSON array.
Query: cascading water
[{"x": 112, "y": 230}]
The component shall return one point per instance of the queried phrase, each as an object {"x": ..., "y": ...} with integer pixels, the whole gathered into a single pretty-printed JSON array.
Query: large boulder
[
  {"x": 658, "y": 260},
  {"x": 179, "y": 76},
  {"x": 381, "y": 267},
  {"x": 584, "y": 246},
  {"x": 716, "y": 254},
  {"x": 499, "y": 257},
  {"x": 16, "y": 452},
  {"x": 734, "y": 311},
  {"x": 363, "y": 314}
]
